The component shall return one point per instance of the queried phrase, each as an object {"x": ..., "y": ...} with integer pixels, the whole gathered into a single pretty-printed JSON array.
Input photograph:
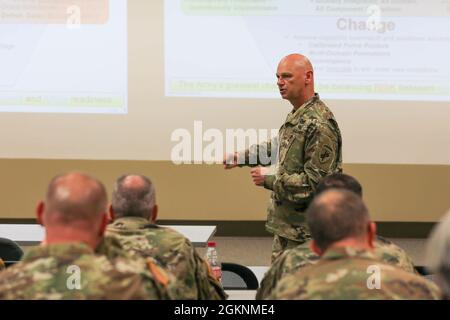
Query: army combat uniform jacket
[
  {"x": 309, "y": 148},
  {"x": 301, "y": 256},
  {"x": 73, "y": 271},
  {"x": 175, "y": 252},
  {"x": 352, "y": 274}
]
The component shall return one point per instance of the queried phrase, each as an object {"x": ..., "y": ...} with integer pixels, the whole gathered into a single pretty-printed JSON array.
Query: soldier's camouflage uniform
[
  {"x": 301, "y": 256},
  {"x": 51, "y": 272},
  {"x": 194, "y": 279},
  {"x": 309, "y": 147},
  {"x": 351, "y": 274}
]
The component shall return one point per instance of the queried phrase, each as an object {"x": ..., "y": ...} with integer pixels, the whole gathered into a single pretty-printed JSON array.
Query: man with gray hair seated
[
  {"x": 343, "y": 235},
  {"x": 134, "y": 211},
  {"x": 438, "y": 254}
]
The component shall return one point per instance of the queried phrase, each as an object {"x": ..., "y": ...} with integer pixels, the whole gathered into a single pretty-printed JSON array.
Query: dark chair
[
  {"x": 422, "y": 270},
  {"x": 238, "y": 277},
  {"x": 10, "y": 252}
]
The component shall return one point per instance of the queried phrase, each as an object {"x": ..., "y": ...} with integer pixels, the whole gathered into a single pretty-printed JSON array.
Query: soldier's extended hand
[
  {"x": 258, "y": 175},
  {"x": 230, "y": 160}
]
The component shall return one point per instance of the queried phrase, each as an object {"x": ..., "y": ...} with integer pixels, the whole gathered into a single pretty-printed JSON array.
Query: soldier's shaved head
[
  {"x": 298, "y": 60},
  {"x": 133, "y": 196},
  {"x": 295, "y": 76},
  {"x": 74, "y": 197},
  {"x": 339, "y": 181},
  {"x": 335, "y": 215},
  {"x": 74, "y": 210}
]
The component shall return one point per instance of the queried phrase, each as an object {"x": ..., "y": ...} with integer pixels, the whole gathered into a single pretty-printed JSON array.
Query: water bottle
[{"x": 213, "y": 260}]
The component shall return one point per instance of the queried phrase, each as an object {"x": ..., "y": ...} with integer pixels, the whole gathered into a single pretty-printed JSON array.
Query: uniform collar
[
  {"x": 61, "y": 250},
  {"x": 131, "y": 223},
  {"x": 347, "y": 252},
  {"x": 295, "y": 115}
]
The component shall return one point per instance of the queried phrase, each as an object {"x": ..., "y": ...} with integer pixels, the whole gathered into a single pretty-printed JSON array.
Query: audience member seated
[
  {"x": 134, "y": 211},
  {"x": 74, "y": 215},
  {"x": 343, "y": 236},
  {"x": 294, "y": 259},
  {"x": 438, "y": 255}
]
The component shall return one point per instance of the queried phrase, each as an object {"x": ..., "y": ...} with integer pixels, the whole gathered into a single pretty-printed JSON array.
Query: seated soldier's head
[
  {"x": 438, "y": 254},
  {"x": 133, "y": 196},
  {"x": 74, "y": 210},
  {"x": 339, "y": 218},
  {"x": 339, "y": 181}
]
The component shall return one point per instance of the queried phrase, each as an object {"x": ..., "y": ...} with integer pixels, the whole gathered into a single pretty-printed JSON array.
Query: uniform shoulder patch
[
  {"x": 325, "y": 154},
  {"x": 158, "y": 273}
]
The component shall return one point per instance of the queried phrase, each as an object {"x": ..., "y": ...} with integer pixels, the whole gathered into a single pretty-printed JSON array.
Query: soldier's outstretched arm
[
  {"x": 263, "y": 154},
  {"x": 321, "y": 157}
]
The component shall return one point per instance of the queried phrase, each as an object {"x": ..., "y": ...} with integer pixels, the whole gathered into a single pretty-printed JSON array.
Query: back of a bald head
[
  {"x": 337, "y": 214},
  {"x": 75, "y": 197}
]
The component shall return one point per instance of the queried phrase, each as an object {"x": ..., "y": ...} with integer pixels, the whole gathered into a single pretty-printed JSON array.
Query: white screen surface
[
  {"x": 63, "y": 56},
  {"x": 374, "y": 131},
  {"x": 361, "y": 50}
]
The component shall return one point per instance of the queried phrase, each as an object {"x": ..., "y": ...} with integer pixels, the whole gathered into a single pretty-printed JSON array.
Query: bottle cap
[{"x": 211, "y": 244}]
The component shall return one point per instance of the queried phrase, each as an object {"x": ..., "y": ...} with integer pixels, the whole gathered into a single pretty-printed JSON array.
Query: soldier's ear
[
  {"x": 40, "y": 208},
  {"x": 315, "y": 248},
  {"x": 103, "y": 224},
  {"x": 154, "y": 213},
  {"x": 309, "y": 77},
  {"x": 111, "y": 214},
  {"x": 371, "y": 234}
]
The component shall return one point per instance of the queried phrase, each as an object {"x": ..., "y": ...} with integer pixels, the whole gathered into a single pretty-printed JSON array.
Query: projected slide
[
  {"x": 64, "y": 56},
  {"x": 377, "y": 50}
]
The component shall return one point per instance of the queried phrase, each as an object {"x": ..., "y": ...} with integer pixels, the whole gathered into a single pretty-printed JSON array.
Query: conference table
[{"x": 32, "y": 234}]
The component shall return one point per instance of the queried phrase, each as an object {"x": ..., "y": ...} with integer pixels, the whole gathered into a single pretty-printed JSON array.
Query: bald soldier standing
[
  {"x": 343, "y": 236},
  {"x": 65, "y": 266},
  {"x": 309, "y": 148}
]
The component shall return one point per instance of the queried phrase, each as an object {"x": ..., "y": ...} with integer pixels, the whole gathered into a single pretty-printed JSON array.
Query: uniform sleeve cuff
[{"x": 268, "y": 182}]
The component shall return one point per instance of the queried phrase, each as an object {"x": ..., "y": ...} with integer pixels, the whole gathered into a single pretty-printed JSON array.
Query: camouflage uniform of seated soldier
[
  {"x": 65, "y": 266},
  {"x": 343, "y": 236},
  {"x": 301, "y": 256},
  {"x": 134, "y": 212}
]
